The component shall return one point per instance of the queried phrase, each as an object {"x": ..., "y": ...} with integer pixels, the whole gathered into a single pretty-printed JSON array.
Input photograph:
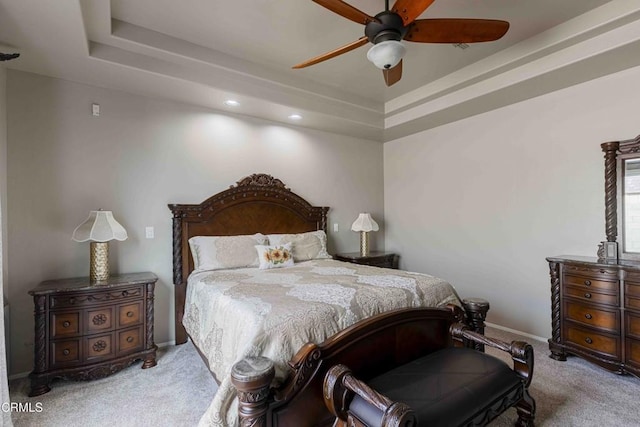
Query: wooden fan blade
[
  {"x": 409, "y": 10},
  {"x": 456, "y": 30},
  {"x": 347, "y": 11},
  {"x": 393, "y": 75},
  {"x": 354, "y": 45}
]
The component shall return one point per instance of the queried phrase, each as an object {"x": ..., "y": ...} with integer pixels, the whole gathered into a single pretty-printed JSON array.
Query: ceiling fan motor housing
[{"x": 388, "y": 27}]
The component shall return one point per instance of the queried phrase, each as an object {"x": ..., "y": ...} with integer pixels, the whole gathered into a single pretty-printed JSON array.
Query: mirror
[
  {"x": 622, "y": 200},
  {"x": 631, "y": 205}
]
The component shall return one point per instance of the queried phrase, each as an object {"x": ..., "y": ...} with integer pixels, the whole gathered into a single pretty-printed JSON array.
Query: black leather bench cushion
[{"x": 446, "y": 388}]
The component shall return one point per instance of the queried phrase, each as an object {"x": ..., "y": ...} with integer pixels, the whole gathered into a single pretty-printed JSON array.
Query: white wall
[
  {"x": 481, "y": 202},
  {"x": 137, "y": 157}
]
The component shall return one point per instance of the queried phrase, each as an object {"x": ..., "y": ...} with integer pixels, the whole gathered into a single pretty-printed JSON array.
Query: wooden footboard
[{"x": 370, "y": 347}]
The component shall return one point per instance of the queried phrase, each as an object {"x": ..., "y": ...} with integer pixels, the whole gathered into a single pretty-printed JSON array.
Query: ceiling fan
[{"x": 388, "y": 28}]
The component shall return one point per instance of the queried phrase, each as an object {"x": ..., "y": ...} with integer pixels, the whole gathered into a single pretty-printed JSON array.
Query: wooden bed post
[
  {"x": 476, "y": 309},
  {"x": 252, "y": 378},
  {"x": 178, "y": 279}
]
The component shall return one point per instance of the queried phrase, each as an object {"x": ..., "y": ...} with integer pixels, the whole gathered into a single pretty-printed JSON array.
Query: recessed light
[
  {"x": 295, "y": 116},
  {"x": 231, "y": 103}
]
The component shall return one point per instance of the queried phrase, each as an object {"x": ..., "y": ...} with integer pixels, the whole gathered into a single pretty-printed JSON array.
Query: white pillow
[
  {"x": 218, "y": 252},
  {"x": 306, "y": 246},
  {"x": 274, "y": 256}
]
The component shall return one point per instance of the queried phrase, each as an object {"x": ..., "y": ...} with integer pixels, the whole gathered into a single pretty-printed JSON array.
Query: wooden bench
[{"x": 457, "y": 385}]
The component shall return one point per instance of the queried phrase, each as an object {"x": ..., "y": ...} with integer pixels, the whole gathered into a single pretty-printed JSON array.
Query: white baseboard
[
  {"x": 18, "y": 376},
  {"x": 515, "y": 331}
]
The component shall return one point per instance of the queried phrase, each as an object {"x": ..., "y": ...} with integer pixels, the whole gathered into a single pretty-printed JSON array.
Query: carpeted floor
[
  {"x": 179, "y": 390},
  {"x": 176, "y": 392}
]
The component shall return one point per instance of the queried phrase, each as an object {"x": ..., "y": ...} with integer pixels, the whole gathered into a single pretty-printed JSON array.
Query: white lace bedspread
[{"x": 231, "y": 314}]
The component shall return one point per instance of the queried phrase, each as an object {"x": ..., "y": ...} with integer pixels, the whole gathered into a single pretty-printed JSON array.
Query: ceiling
[{"x": 203, "y": 52}]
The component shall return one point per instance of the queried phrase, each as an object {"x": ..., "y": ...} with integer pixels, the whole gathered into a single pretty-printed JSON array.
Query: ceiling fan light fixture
[{"x": 386, "y": 54}]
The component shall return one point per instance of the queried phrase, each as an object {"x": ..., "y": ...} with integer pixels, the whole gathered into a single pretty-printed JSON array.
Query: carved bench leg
[
  {"x": 252, "y": 378},
  {"x": 476, "y": 309},
  {"x": 526, "y": 408}
]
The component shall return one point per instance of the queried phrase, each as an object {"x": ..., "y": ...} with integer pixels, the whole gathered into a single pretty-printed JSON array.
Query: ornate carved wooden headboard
[{"x": 258, "y": 203}]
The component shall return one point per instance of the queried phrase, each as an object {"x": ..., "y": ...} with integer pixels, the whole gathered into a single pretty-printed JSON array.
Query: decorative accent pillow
[
  {"x": 275, "y": 256},
  {"x": 306, "y": 246},
  {"x": 218, "y": 252}
]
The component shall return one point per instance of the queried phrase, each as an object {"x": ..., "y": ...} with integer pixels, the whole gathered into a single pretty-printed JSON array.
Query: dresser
[
  {"x": 595, "y": 311},
  {"x": 86, "y": 331},
  {"x": 375, "y": 258}
]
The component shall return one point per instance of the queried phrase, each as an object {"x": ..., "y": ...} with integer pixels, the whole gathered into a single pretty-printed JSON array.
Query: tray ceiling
[{"x": 205, "y": 51}]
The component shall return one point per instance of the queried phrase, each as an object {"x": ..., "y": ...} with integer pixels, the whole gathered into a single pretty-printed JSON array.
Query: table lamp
[
  {"x": 364, "y": 224},
  {"x": 99, "y": 228}
]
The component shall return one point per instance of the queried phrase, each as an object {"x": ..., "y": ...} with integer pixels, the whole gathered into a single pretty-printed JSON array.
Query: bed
[{"x": 237, "y": 316}]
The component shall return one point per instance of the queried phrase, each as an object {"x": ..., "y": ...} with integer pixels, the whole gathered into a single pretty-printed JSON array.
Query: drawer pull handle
[
  {"x": 72, "y": 300},
  {"x": 587, "y": 282},
  {"x": 129, "y": 339},
  {"x": 125, "y": 293},
  {"x": 588, "y": 340},
  {"x": 587, "y": 295},
  {"x": 129, "y": 313},
  {"x": 66, "y": 324},
  {"x": 66, "y": 352},
  {"x": 90, "y": 298},
  {"x": 588, "y": 316}
]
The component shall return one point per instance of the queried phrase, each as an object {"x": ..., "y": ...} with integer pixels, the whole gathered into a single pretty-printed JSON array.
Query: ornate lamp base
[
  {"x": 99, "y": 262},
  {"x": 364, "y": 243}
]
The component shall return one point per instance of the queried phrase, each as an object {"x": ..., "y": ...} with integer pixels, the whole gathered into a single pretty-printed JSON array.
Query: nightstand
[
  {"x": 375, "y": 258},
  {"x": 85, "y": 331}
]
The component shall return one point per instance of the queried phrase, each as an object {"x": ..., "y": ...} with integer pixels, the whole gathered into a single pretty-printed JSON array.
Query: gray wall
[
  {"x": 3, "y": 171},
  {"x": 137, "y": 157},
  {"x": 482, "y": 202}
]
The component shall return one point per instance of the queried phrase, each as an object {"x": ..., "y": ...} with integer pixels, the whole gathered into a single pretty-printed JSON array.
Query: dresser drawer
[
  {"x": 129, "y": 314},
  {"x": 633, "y": 352},
  {"x": 65, "y": 353},
  {"x": 96, "y": 297},
  {"x": 632, "y": 289},
  {"x": 632, "y": 303},
  {"x": 99, "y": 319},
  {"x": 632, "y": 276},
  {"x": 386, "y": 261},
  {"x": 604, "y": 344},
  {"x": 65, "y": 324},
  {"x": 632, "y": 325},
  {"x": 590, "y": 296},
  {"x": 130, "y": 340},
  {"x": 594, "y": 317},
  {"x": 99, "y": 347},
  {"x": 599, "y": 273},
  {"x": 591, "y": 283}
]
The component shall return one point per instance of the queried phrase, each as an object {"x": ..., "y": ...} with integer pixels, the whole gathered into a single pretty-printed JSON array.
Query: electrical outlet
[
  {"x": 95, "y": 110},
  {"x": 335, "y": 227},
  {"x": 148, "y": 232}
]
